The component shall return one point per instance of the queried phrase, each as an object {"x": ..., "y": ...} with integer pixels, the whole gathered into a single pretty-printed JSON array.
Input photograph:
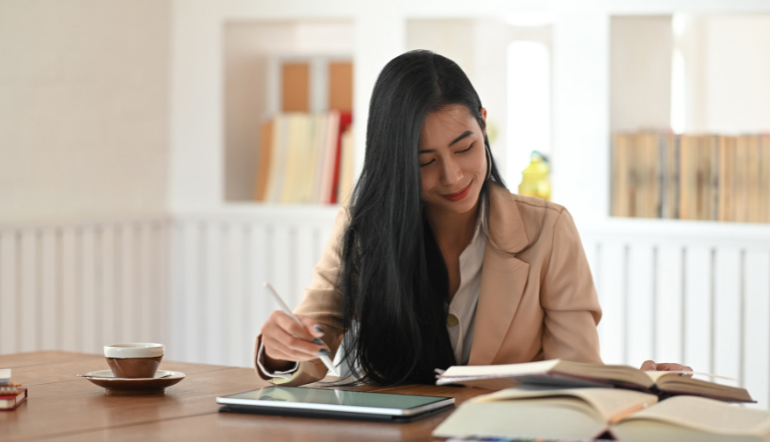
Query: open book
[
  {"x": 556, "y": 372},
  {"x": 588, "y": 413}
]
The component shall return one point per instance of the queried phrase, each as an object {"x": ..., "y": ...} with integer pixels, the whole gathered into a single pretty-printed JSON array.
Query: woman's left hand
[{"x": 664, "y": 366}]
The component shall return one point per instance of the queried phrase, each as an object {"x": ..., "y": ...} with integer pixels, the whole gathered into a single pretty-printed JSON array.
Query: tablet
[{"x": 339, "y": 404}]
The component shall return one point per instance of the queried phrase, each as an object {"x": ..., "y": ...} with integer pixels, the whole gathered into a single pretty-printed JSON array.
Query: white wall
[
  {"x": 736, "y": 73},
  {"x": 84, "y": 108},
  {"x": 196, "y": 131},
  {"x": 453, "y": 39}
]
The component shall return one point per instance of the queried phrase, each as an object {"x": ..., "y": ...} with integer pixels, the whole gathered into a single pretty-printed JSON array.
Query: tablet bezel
[{"x": 314, "y": 408}]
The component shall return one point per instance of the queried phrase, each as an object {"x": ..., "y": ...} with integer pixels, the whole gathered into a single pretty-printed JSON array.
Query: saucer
[{"x": 132, "y": 386}]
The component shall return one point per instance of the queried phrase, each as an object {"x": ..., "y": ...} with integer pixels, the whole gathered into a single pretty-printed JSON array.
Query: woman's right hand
[{"x": 287, "y": 342}]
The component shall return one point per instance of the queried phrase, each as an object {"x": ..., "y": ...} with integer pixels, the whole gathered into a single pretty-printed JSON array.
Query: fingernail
[
  {"x": 319, "y": 329},
  {"x": 318, "y": 341},
  {"x": 324, "y": 352}
]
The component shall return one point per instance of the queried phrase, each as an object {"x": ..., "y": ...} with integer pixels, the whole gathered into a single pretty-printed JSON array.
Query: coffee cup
[{"x": 135, "y": 360}]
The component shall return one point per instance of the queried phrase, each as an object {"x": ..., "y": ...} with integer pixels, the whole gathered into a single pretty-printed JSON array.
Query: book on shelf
[
  {"x": 345, "y": 120},
  {"x": 328, "y": 157},
  {"x": 346, "y": 168},
  {"x": 11, "y": 400},
  {"x": 277, "y": 159},
  {"x": 741, "y": 179},
  {"x": 726, "y": 147},
  {"x": 669, "y": 189},
  {"x": 557, "y": 372},
  {"x": 591, "y": 413},
  {"x": 263, "y": 170},
  {"x": 302, "y": 159},
  {"x": 691, "y": 177},
  {"x": 618, "y": 177},
  {"x": 754, "y": 181},
  {"x": 765, "y": 175},
  {"x": 297, "y": 140}
]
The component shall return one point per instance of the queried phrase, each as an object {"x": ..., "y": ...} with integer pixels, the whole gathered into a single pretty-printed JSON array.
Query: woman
[{"x": 436, "y": 263}]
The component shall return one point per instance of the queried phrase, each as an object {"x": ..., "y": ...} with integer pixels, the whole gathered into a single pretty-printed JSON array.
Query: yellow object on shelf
[{"x": 536, "y": 180}]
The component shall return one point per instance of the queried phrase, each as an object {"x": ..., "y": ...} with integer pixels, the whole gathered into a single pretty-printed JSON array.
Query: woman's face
[{"x": 453, "y": 163}]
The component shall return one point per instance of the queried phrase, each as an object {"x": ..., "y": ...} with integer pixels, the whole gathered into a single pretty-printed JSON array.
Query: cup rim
[{"x": 134, "y": 350}]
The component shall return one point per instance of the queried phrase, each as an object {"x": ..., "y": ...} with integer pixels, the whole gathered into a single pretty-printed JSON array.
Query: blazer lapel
[{"x": 503, "y": 277}]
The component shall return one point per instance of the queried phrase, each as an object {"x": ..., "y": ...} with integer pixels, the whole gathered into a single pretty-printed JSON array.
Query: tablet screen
[{"x": 315, "y": 398}]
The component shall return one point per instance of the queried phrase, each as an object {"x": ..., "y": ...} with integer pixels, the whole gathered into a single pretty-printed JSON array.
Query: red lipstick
[{"x": 459, "y": 195}]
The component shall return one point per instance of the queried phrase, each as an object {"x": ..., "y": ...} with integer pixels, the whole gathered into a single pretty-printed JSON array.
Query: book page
[
  {"x": 685, "y": 385},
  {"x": 529, "y": 420},
  {"x": 604, "y": 374},
  {"x": 613, "y": 373},
  {"x": 500, "y": 370},
  {"x": 708, "y": 415},
  {"x": 611, "y": 404},
  {"x": 655, "y": 375}
]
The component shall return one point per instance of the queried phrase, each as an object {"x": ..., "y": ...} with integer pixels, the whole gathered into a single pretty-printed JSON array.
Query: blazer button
[{"x": 452, "y": 320}]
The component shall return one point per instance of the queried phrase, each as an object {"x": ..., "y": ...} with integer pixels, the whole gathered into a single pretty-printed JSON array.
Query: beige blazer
[{"x": 540, "y": 304}]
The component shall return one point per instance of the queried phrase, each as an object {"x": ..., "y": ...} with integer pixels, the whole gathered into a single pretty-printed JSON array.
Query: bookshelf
[
  {"x": 287, "y": 76},
  {"x": 689, "y": 117},
  {"x": 203, "y": 165},
  {"x": 697, "y": 177}
]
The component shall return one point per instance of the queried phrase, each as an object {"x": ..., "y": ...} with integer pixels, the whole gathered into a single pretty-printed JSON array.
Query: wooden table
[{"x": 63, "y": 407}]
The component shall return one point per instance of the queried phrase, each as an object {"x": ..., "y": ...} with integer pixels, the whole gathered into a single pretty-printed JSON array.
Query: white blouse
[{"x": 462, "y": 309}]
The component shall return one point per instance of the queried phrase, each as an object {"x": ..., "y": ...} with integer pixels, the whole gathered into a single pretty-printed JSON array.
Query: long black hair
[{"x": 393, "y": 276}]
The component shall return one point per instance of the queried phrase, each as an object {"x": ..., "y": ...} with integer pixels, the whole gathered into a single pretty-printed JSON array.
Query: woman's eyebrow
[{"x": 464, "y": 134}]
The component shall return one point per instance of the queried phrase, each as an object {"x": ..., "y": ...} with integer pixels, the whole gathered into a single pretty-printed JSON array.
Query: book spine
[
  {"x": 662, "y": 179},
  {"x": 684, "y": 178},
  {"x": 263, "y": 167},
  {"x": 765, "y": 192},
  {"x": 614, "y": 173},
  {"x": 345, "y": 121},
  {"x": 754, "y": 180}
]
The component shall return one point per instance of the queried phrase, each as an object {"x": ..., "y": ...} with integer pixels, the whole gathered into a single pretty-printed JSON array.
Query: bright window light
[
  {"x": 529, "y": 19},
  {"x": 679, "y": 25},
  {"x": 678, "y": 93},
  {"x": 529, "y": 105}
]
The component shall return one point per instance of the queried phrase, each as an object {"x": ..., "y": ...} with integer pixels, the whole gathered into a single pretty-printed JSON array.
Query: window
[{"x": 529, "y": 105}]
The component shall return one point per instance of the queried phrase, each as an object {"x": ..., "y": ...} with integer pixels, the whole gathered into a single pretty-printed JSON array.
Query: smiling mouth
[{"x": 459, "y": 195}]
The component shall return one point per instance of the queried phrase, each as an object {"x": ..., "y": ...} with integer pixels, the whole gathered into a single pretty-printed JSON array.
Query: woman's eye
[
  {"x": 425, "y": 164},
  {"x": 466, "y": 150}
]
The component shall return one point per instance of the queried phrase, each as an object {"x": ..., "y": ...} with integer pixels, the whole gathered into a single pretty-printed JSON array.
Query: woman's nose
[{"x": 450, "y": 172}]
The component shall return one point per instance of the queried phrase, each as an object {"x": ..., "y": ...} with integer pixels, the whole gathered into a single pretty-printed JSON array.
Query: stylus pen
[{"x": 325, "y": 359}]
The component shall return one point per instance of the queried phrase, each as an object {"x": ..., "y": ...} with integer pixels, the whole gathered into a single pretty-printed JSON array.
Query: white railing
[
  {"x": 78, "y": 286},
  {"x": 221, "y": 260},
  {"x": 693, "y": 292}
]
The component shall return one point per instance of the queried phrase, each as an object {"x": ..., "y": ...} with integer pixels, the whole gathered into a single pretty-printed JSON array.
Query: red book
[
  {"x": 11, "y": 401},
  {"x": 346, "y": 119}
]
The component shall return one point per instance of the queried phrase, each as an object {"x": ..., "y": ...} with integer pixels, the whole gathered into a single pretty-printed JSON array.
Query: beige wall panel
[{"x": 84, "y": 107}]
